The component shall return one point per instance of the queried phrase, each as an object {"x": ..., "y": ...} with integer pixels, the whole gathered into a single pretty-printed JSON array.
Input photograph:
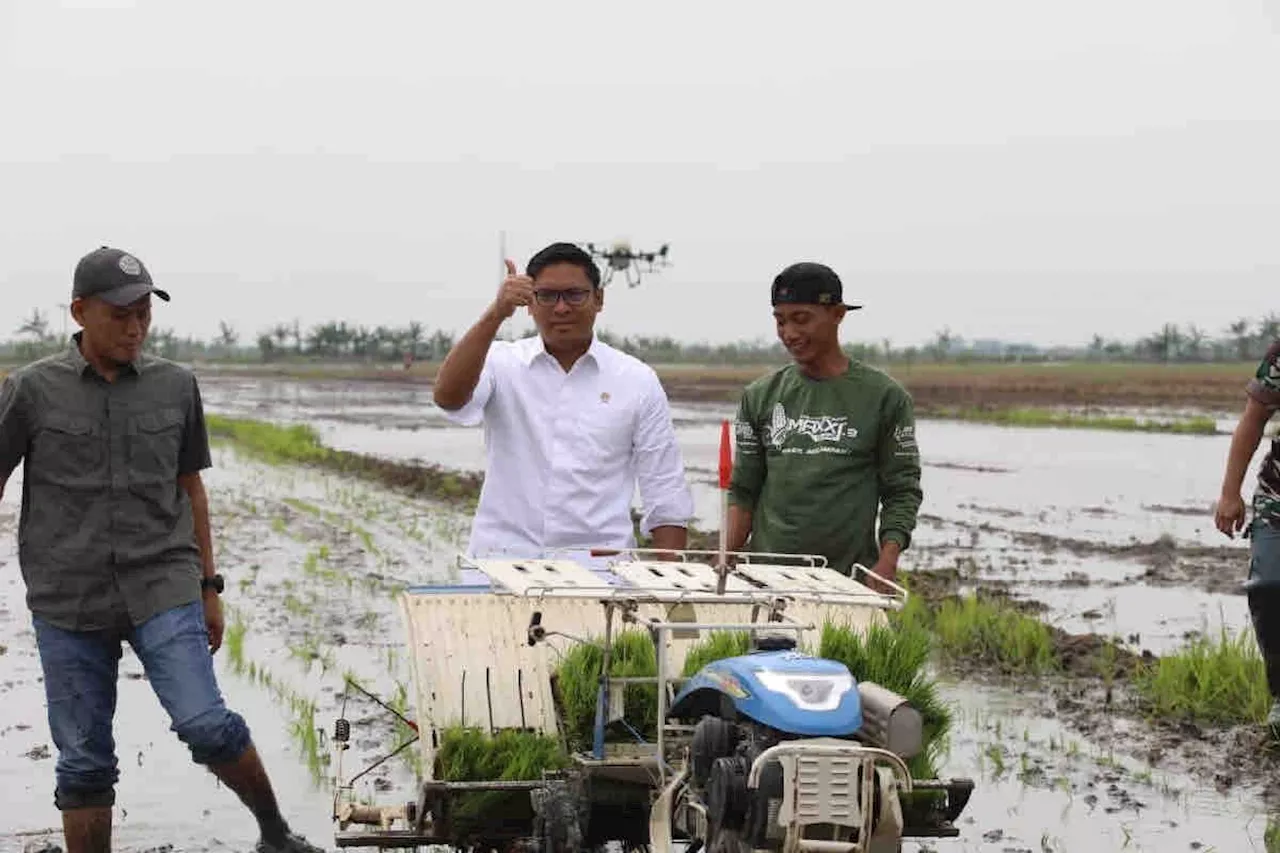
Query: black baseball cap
[
  {"x": 809, "y": 283},
  {"x": 114, "y": 276}
]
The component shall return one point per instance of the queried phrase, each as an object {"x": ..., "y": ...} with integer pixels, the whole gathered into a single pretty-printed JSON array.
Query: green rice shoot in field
[
  {"x": 1216, "y": 680},
  {"x": 1038, "y": 417},
  {"x": 300, "y": 444},
  {"x": 974, "y": 629}
]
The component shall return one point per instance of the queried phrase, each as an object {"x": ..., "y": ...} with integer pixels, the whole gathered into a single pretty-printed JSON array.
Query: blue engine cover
[{"x": 787, "y": 690}]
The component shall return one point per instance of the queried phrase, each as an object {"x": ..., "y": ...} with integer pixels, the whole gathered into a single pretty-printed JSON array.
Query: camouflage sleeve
[
  {"x": 1265, "y": 384},
  {"x": 748, "y": 458}
]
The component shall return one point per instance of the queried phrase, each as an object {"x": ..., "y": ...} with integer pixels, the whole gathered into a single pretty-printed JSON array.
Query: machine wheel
[{"x": 712, "y": 738}]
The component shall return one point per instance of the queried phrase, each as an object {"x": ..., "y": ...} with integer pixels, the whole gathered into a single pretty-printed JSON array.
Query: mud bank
[
  {"x": 935, "y": 387},
  {"x": 1161, "y": 562}
]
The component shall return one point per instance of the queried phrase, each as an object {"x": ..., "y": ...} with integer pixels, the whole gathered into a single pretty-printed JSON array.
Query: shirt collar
[
  {"x": 534, "y": 347},
  {"x": 77, "y": 360}
]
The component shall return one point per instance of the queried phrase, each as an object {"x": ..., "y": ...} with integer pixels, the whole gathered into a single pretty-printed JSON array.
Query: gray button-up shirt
[{"x": 106, "y": 536}]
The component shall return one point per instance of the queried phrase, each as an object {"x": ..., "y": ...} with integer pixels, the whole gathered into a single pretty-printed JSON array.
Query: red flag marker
[
  {"x": 726, "y": 474},
  {"x": 726, "y": 455}
]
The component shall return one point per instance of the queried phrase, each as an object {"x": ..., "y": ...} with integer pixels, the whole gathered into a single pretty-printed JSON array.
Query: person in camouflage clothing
[{"x": 1263, "y": 584}]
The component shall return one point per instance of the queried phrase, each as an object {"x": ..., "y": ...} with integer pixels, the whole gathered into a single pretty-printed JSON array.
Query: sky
[{"x": 1035, "y": 172}]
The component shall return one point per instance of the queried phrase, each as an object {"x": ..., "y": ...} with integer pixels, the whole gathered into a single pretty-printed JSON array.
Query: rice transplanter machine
[{"x": 772, "y": 750}]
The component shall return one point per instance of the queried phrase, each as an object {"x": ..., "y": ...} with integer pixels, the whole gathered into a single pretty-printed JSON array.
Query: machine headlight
[{"x": 812, "y": 692}]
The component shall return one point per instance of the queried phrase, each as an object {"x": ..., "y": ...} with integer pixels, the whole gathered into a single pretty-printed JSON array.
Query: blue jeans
[{"x": 80, "y": 674}]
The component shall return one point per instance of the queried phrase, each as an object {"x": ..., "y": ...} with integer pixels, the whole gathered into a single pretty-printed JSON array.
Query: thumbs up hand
[{"x": 516, "y": 290}]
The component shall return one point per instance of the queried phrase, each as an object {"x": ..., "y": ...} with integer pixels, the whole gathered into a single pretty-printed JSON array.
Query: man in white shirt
[{"x": 572, "y": 425}]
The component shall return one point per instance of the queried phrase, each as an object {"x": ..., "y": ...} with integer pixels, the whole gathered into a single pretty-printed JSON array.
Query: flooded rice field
[
  {"x": 1077, "y": 519},
  {"x": 1106, "y": 532}
]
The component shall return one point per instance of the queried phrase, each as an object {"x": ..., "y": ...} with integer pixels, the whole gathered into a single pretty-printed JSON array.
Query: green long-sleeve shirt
[{"x": 817, "y": 460}]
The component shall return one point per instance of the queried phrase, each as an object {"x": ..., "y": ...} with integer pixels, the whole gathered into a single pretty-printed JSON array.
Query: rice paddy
[
  {"x": 975, "y": 632},
  {"x": 1041, "y": 418},
  {"x": 317, "y": 542},
  {"x": 1215, "y": 680},
  {"x": 300, "y": 444}
]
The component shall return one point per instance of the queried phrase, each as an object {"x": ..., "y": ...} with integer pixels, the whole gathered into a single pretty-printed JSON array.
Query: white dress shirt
[{"x": 566, "y": 451}]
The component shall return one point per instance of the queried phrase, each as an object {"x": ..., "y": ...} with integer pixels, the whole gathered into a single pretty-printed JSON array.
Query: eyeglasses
[{"x": 573, "y": 296}]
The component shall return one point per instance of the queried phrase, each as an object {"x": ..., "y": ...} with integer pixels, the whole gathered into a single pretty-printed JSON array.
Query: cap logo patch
[
  {"x": 129, "y": 265},
  {"x": 824, "y": 298}
]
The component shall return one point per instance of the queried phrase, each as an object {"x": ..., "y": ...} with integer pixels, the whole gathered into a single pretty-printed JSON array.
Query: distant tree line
[{"x": 1242, "y": 340}]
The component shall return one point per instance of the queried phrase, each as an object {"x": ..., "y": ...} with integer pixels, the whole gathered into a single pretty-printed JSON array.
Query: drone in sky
[{"x": 621, "y": 257}]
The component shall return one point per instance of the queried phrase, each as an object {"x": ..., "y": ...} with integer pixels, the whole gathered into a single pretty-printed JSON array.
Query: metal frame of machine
[{"x": 500, "y": 618}]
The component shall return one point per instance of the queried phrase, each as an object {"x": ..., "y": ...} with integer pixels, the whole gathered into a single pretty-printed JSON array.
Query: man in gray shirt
[{"x": 115, "y": 544}]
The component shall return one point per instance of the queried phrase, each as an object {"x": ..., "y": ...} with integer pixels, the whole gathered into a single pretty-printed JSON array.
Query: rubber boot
[
  {"x": 1264, "y": 610},
  {"x": 87, "y": 830}
]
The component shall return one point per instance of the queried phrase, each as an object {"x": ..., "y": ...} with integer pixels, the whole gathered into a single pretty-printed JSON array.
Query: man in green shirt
[{"x": 825, "y": 444}]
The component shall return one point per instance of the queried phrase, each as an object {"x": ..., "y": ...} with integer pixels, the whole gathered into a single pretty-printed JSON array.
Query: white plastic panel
[
  {"x": 813, "y": 579},
  {"x": 522, "y": 577},
  {"x": 675, "y": 576}
]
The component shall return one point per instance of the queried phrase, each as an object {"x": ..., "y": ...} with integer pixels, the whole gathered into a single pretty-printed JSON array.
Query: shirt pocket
[
  {"x": 155, "y": 440},
  {"x": 68, "y": 450},
  {"x": 605, "y": 435}
]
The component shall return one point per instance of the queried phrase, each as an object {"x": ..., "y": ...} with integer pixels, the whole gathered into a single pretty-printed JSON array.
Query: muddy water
[
  {"x": 315, "y": 562},
  {"x": 1041, "y": 787},
  {"x": 1059, "y": 515}
]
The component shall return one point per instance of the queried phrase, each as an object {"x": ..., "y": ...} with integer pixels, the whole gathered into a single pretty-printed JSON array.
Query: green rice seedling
[
  {"x": 895, "y": 655},
  {"x": 366, "y": 539},
  {"x": 300, "y": 444},
  {"x": 978, "y": 630},
  {"x": 1210, "y": 680},
  {"x": 470, "y": 754},
  {"x": 578, "y": 679},
  {"x": 307, "y": 737},
  {"x": 718, "y": 645},
  {"x": 995, "y": 755},
  {"x": 234, "y": 641},
  {"x": 1033, "y": 417},
  {"x": 303, "y": 506},
  {"x": 896, "y": 658}
]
